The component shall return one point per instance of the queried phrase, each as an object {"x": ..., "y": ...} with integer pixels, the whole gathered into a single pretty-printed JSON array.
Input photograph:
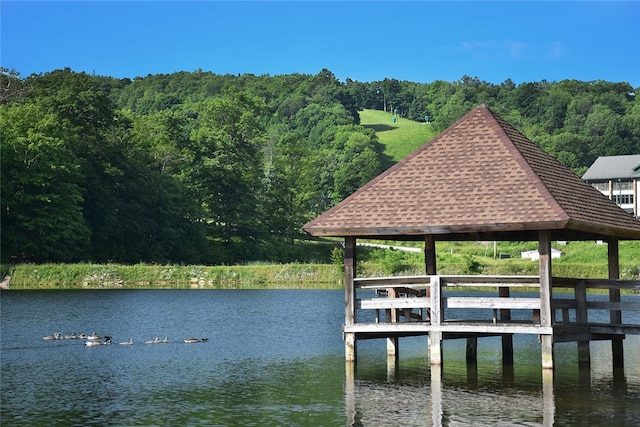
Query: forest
[{"x": 201, "y": 168}]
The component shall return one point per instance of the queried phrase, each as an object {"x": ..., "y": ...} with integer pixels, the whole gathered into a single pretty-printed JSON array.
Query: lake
[{"x": 276, "y": 358}]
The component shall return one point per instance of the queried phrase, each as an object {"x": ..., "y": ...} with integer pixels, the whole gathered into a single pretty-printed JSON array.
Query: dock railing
[
  {"x": 601, "y": 311},
  {"x": 431, "y": 300}
]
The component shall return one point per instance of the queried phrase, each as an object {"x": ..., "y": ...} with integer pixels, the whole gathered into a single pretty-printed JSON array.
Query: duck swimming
[
  {"x": 195, "y": 340},
  {"x": 130, "y": 342},
  {"x": 93, "y": 336},
  {"x": 55, "y": 336},
  {"x": 158, "y": 341},
  {"x": 95, "y": 342}
]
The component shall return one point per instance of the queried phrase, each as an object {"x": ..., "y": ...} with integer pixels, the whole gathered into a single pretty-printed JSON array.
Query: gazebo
[{"x": 480, "y": 180}]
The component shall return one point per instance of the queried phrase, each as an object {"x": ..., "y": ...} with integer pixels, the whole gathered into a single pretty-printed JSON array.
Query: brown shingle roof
[{"x": 478, "y": 177}]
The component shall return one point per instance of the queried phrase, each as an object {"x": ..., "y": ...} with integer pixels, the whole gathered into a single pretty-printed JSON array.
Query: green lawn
[{"x": 400, "y": 138}]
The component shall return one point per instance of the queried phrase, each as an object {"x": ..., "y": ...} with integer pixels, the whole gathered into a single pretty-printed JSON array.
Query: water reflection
[
  {"x": 411, "y": 398},
  {"x": 277, "y": 358},
  {"x": 411, "y": 392}
]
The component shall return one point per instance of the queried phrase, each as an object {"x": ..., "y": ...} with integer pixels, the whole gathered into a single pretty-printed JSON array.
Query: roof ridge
[
  {"x": 507, "y": 131},
  {"x": 480, "y": 178}
]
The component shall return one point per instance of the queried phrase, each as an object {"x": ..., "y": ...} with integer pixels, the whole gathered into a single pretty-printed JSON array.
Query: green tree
[
  {"x": 41, "y": 194},
  {"x": 225, "y": 168},
  {"x": 285, "y": 198}
]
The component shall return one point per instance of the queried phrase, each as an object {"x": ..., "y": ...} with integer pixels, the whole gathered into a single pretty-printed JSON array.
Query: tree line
[{"x": 195, "y": 167}]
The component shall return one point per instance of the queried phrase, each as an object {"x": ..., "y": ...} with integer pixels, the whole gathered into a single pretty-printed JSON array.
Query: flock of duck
[{"x": 95, "y": 339}]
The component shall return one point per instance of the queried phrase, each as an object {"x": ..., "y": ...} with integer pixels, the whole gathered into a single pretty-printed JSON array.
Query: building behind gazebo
[{"x": 480, "y": 180}]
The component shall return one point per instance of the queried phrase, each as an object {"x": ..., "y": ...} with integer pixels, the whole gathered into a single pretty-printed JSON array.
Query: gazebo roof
[{"x": 480, "y": 179}]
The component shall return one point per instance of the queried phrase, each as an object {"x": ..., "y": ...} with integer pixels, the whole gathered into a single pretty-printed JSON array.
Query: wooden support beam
[
  {"x": 430, "y": 254},
  {"x": 617, "y": 348},
  {"x": 435, "y": 336},
  {"x": 392, "y": 347},
  {"x": 472, "y": 350},
  {"x": 349, "y": 297},
  {"x": 546, "y": 341},
  {"x": 393, "y": 355},
  {"x": 507, "y": 340},
  {"x": 584, "y": 353}
]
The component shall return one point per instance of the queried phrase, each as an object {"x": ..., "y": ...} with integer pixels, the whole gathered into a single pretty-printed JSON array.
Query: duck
[
  {"x": 55, "y": 336},
  {"x": 71, "y": 336},
  {"x": 130, "y": 342},
  {"x": 93, "y": 336},
  {"x": 158, "y": 341},
  {"x": 195, "y": 340},
  {"x": 96, "y": 342}
]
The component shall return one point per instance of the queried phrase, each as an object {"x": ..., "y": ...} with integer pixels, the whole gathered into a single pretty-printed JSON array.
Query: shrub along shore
[
  {"x": 141, "y": 276},
  {"x": 579, "y": 260},
  {"x": 272, "y": 276}
]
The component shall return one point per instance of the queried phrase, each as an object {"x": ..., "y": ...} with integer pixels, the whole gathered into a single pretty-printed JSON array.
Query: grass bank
[
  {"x": 141, "y": 276},
  {"x": 579, "y": 260}
]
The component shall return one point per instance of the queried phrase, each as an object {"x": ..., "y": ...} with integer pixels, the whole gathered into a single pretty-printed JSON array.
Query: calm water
[{"x": 275, "y": 358}]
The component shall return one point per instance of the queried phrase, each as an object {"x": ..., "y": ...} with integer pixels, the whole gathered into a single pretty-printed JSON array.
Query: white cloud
[
  {"x": 476, "y": 45},
  {"x": 556, "y": 50},
  {"x": 516, "y": 49}
]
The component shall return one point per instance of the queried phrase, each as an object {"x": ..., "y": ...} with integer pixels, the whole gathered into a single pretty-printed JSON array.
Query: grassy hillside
[{"x": 400, "y": 138}]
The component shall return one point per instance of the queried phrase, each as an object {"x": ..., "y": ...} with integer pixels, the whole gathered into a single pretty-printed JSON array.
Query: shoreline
[{"x": 143, "y": 276}]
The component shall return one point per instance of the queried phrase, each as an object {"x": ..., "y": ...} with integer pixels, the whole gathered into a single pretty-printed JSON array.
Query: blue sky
[{"x": 419, "y": 41}]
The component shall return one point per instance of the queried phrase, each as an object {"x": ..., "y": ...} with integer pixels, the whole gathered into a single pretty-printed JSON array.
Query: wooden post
[
  {"x": 617, "y": 349},
  {"x": 507, "y": 340},
  {"x": 430, "y": 254},
  {"x": 548, "y": 399},
  {"x": 349, "y": 297},
  {"x": 435, "y": 336},
  {"x": 584, "y": 354},
  {"x": 393, "y": 357},
  {"x": 435, "y": 403},
  {"x": 472, "y": 351},
  {"x": 350, "y": 394},
  {"x": 392, "y": 347},
  {"x": 546, "y": 341},
  {"x": 430, "y": 269}
]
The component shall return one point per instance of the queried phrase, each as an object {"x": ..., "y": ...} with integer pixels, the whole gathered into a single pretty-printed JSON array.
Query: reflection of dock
[
  {"x": 431, "y": 405},
  {"x": 5, "y": 282}
]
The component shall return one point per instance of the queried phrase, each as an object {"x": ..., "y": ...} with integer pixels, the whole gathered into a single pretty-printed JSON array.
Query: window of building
[
  {"x": 622, "y": 185},
  {"x": 623, "y": 199},
  {"x": 601, "y": 186}
]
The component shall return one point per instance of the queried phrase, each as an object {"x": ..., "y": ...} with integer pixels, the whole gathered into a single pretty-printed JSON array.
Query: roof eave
[
  {"x": 442, "y": 231},
  {"x": 605, "y": 230}
]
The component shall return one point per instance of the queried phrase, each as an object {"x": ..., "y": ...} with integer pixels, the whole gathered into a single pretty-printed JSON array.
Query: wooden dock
[{"x": 448, "y": 307}]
